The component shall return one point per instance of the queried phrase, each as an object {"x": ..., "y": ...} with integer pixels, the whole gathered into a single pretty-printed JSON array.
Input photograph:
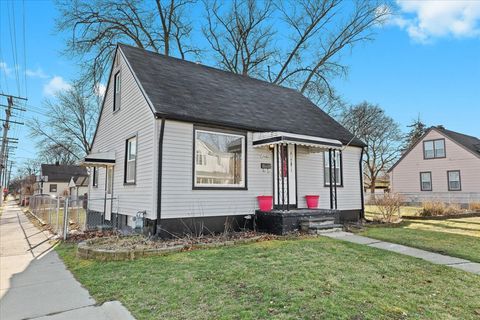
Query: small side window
[
  {"x": 454, "y": 183},
  {"x": 117, "y": 85},
  {"x": 53, "y": 188},
  {"x": 425, "y": 181},
  {"x": 131, "y": 160}
]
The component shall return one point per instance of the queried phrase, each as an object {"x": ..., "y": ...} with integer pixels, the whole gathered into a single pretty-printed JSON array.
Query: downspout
[
  {"x": 159, "y": 179},
  {"x": 362, "y": 210}
]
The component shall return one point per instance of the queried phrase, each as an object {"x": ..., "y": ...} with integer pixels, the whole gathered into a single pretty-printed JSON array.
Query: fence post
[{"x": 65, "y": 219}]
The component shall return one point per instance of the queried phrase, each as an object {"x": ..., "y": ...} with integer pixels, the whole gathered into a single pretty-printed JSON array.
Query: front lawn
[
  {"x": 312, "y": 278},
  {"x": 456, "y": 237},
  {"x": 371, "y": 211}
]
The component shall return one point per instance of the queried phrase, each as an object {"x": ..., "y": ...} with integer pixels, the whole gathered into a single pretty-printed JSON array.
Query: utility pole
[
  {"x": 5, "y": 138},
  {"x": 6, "y": 126}
]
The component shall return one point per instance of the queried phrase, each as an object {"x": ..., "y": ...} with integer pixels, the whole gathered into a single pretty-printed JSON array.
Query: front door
[{"x": 285, "y": 175}]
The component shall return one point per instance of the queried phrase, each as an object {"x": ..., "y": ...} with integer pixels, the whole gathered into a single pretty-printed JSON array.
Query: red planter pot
[
  {"x": 312, "y": 201},
  {"x": 265, "y": 203}
]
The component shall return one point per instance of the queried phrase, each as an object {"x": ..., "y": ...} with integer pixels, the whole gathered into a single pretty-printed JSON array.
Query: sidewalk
[
  {"x": 34, "y": 282},
  {"x": 435, "y": 258}
]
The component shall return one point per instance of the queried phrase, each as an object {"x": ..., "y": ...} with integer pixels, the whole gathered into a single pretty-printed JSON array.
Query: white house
[
  {"x": 179, "y": 140},
  {"x": 62, "y": 180},
  {"x": 443, "y": 165}
]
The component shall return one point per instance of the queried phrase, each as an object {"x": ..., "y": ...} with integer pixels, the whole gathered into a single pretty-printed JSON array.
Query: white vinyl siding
[
  {"x": 178, "y": 197},
  {"x": 310, "y": 175},
  {"x": 134, "y": 119}
]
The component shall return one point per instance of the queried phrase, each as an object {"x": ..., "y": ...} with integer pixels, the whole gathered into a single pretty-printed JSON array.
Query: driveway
[{"x": 34, "y": 282}]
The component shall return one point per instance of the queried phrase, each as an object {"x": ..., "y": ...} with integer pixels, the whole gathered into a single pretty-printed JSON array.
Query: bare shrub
[
  {"x": 474, "y": 206},
  {"x": 438, "y": 208},
  {"x": 389, "y": 206},
  {"x": 432, "y": 209}
]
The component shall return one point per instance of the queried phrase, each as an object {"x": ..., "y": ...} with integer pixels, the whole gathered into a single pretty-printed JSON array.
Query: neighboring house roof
[
  {"x": 182, "y": 90},
  {"x": 470, "y": 143},
  {"x": 63, "y": 173}
]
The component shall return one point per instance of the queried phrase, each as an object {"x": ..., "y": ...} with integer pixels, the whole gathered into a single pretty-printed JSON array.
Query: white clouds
[
  {"x": 428, "y": 20},
  {"x": 4, "y": 67},
  {"x": 54, "y": 85},
  {"x": 38, "y": 73},
  {"x": 100, "y": 90}
]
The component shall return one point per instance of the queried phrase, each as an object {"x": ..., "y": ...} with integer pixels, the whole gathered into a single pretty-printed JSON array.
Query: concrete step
[
  {"x": 325, "y": 226},
  {"x": 318, "y": 219},
  {"x": 322, "y": 231},
  {"x": 306, "y": 225}
]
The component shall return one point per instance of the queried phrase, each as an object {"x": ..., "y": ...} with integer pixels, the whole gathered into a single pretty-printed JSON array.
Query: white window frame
[
  {"x": 129, "y": 160},
  {"x": 243, "y": 185}
]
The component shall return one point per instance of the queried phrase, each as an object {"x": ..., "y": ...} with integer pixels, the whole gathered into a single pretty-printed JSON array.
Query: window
[
  {"x": 426, "y": 181},
  {"x": 434, "y": 149},
  {"x": 454, "y": 183},
  {"x": 219, "y": 160},
  {"x": 95, "y": 176},
  {"x": 53, "y": 188},
  {"x": 116, "y": 91},
  {"x": 131, "y": 160},
  {"x": 336, "y": 163}
]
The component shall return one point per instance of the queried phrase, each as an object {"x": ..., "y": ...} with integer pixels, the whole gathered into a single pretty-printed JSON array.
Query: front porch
[{"x": 284, "y": 221}]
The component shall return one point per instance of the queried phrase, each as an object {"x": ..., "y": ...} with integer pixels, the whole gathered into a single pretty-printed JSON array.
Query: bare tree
[
  {"x": 381, "y": 134},
  {"x": 67, "y": 133},
  {"x": 240, "y": 34},
  {"x": 314, "y": 33},
  {"x": 97, "y": 26}
]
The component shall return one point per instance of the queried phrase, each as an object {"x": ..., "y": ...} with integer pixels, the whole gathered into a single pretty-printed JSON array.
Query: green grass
[
  {"x": 455, "y": 237},
  {"x": 372, "y": 211},
  {"x": 314, "y": 278}
]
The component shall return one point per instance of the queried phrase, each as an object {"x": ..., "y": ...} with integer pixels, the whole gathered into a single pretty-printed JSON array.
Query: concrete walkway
[
  {"x": 34, "y": 282},
  {"x": 435, "y": 258}
]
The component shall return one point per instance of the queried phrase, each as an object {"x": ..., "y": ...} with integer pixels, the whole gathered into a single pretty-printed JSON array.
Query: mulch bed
[{"x": 135, "y": 242}]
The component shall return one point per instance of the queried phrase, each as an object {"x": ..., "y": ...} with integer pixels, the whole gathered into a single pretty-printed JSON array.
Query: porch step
[
  {"x": 310, "y": 223},
  {"x": 316, "y": 228}
]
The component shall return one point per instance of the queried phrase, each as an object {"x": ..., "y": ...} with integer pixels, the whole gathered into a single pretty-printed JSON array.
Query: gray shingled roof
[
  {"x": 184, "y": 90},
  {"x": 469, "y": 142},
  {"x": 63, "y": 173}
]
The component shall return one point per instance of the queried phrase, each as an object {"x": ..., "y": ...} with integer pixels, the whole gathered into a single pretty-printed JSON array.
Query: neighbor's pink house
[{"x": 443, "y": 165}]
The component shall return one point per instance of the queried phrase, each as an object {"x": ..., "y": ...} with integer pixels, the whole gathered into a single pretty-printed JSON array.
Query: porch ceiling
[{"x": 261, "y": 139}]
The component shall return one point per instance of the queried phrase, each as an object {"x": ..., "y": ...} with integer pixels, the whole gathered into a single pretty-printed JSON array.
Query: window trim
[
  {"x": 431, "y": 181},
  {"x": 327, "y": 184},
  {"x": 459, "y": 180},
  {"x": 134, "y": 182},
  {"x": 95, "y": 177},
  {"x": 224, "y": 131},
  {"x": 435, "y": 150},
  {"x": 50, "y": 187},
  {"x": 117, "y": 104}
]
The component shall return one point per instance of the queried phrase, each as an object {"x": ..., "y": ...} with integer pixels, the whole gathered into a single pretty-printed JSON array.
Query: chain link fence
[
  {"x": 416, "y": 198},
  {"x": 64, "y": 215}
]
